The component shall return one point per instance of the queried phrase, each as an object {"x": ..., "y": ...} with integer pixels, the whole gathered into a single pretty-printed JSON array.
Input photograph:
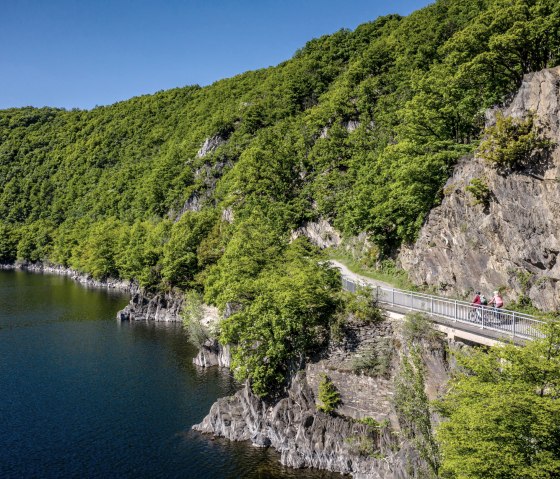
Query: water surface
[{"x": 84, "y": 396}]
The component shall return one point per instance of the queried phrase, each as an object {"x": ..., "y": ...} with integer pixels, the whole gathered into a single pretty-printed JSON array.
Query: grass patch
[{"x": 388, "y": 272}]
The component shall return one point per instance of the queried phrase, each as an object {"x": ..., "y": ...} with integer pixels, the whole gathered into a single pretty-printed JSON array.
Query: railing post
[
  {"x": 377, "y": 294},
  {"x": 393, "y": 297},
  {"x": 411, "y": 302},
  {"x": 455, "y": 315},
  {"x": 431, "y": 305},
  {"x": 513, "y": 323},
  {"x": 483, "y": 314}
]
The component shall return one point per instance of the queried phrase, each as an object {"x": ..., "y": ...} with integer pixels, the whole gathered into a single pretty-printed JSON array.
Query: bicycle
[{"x": 475, "y": 314}]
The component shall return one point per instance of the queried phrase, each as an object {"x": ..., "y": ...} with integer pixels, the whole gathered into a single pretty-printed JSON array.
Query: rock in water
[{"x": 146, "y": 306}]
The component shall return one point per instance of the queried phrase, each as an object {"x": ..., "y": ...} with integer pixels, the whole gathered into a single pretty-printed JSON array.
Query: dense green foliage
[
  {"x": 360, "y": 127},
  {"x": 503, "y": 412},
  {"x": 192, "y": 314}
]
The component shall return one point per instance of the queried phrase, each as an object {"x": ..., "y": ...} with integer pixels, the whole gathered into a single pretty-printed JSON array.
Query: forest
[{"x": 199, "y": 189}]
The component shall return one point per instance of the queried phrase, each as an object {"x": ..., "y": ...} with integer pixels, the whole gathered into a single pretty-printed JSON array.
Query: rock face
[
  {"x": 362, "y": 395},
  {"x": 209, "y": 145},
  {"x": 514, "y": 242},
  {"x": 320, "y": 233},
  {"x": 212, "y": 353},
  {"x": 146, "y": 306},
  {"x": 306, "y": 437}
]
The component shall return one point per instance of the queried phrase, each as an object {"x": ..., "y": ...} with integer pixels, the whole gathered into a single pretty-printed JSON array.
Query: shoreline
[{"x": 87, "y": 280}]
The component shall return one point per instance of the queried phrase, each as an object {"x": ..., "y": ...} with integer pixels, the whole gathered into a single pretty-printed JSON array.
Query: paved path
[{"x": 357, "y": 277}]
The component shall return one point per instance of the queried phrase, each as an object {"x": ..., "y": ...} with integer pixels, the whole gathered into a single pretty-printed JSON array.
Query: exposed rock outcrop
[
  {"x": 209, "y": 145},
  {"x": 212, "y": 353},
  {"x": 145, "y": 306},
  {"x": 206, "y": 176},
  {"x": 514, "y": 241},
  {"x": 320, "y": 233},
  {"x": 306, "y": 437}
]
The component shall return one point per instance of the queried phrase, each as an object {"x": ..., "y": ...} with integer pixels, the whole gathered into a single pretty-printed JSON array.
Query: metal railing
[{"x": 509, "y": 323}]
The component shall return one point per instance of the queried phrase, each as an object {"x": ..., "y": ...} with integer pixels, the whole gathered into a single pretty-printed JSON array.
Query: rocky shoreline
[
  {"x": 304, "y": 436},
  {"x": 146, "y": 306},
  {"x": 364, "y": 437},
  {"x": 82, "y": 278}
]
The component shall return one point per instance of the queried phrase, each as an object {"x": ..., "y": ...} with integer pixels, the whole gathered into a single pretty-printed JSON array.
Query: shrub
[
  {"x": 192, "y": 315},
  {"x": 418, "y": 327},
  {"x": 363, "y": 307},
  {"x": 511, "y": 141},
  {"x": 329, "y": 396},
  {"x": 364, "y": 445},
  {"x": 372, "y": 422},
  {"x": 338, "y": 326},
  {"x": 480, "y": 190}
]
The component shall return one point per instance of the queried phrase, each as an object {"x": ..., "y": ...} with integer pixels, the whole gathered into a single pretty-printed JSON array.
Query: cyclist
[
  {"x": 498, "y": 303},
  {"x": 477, "y": 303}
]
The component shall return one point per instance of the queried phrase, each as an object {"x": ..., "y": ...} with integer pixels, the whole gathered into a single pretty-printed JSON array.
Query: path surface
[{"x": 358, "y": 277}]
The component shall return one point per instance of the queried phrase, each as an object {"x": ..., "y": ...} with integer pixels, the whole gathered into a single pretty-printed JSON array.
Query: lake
[{"x": 84, "y": 396}]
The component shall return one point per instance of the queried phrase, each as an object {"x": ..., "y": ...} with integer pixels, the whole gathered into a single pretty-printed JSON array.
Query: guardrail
[{"x": 508, "y": 323}]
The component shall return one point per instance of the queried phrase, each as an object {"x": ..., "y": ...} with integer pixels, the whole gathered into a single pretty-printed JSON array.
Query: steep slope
[
  {"x": 200, "y": 188},
  {"x": 513, "y": 241}
]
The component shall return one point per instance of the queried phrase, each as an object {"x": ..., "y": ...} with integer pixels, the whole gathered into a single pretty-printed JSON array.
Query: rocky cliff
[
  {"x": 513, "y": 241},
  {"x": 153, "y": 306},
  {"x": 306, "y": 437},
  {"x": 212, "y": 353}
]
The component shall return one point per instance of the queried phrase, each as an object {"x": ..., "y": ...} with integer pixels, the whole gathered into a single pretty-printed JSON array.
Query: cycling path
[{"x": 357, "y": 278}]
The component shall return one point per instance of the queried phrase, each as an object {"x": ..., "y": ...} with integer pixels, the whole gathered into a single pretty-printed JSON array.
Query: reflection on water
[{"x": 82, "y": 395}]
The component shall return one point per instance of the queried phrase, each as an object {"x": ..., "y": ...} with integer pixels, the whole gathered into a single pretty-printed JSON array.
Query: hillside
[
  {"x": 199, "y": 188},
  {"x": 516, "y": 241}
]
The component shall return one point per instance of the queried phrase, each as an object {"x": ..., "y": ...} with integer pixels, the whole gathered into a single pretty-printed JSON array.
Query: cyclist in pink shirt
[{"x": 497, "y": 300}]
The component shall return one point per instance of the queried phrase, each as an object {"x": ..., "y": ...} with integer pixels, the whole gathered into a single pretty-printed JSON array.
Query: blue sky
[{"x": 82, "y": 53}]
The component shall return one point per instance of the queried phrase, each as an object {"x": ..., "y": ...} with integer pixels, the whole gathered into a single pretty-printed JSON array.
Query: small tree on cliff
[
  {"x": 329, "y": 397},
  {"x": 511, "y": 141}
]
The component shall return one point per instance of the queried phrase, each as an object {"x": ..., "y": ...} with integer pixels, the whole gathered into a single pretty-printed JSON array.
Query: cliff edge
[{"x": 513, "y": 241}]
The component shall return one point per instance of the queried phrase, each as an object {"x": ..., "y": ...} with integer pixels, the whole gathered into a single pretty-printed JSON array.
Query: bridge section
[{"x": 479, "y": 324}]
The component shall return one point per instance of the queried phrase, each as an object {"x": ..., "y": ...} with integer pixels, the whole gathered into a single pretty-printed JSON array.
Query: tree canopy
[
  {"x": 360, "y": 127},
  {"x": 503, "y": 412}
]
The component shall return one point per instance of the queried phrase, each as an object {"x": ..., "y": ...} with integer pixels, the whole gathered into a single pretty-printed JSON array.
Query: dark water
[{"x": 82, "y": 396}]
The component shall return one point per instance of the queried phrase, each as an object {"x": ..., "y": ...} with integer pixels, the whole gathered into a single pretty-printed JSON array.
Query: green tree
[
  {"x": 511, "y": 142},
  {"x": 8, "y": 243},
  {"x": 286, "y": 320},
  {"x": 328, "y": 395},
  {"x": 502, "y": 412}
]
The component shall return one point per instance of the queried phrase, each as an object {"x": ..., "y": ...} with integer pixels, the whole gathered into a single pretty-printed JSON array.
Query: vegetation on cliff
[{"x": 199, "y": 188}]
